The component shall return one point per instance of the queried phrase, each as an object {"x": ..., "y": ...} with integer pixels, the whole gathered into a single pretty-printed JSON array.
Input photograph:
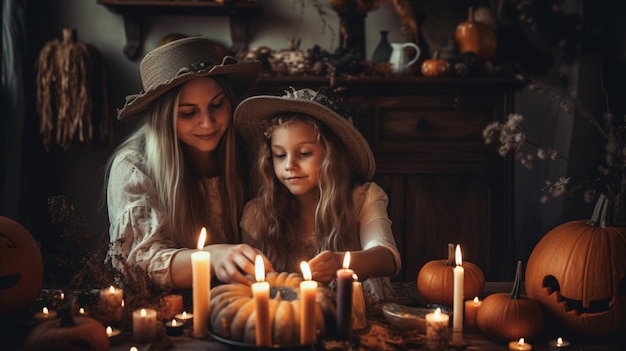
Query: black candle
[
  {"x": 344, "y": 300},
  {"x": 174, "y": 327}
]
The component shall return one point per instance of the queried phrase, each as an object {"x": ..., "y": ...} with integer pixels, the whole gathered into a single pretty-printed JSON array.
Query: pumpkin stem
[
  {"x": 67, "y": 313},
  {"x": 470, "y": 14},
  {"x": 451, "y": 261},
  {"x": 515, "y": 292},
  {"x": 601, "y": 213}
]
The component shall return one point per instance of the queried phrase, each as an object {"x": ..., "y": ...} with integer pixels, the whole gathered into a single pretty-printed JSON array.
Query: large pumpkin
[
  {"x": 21, "y": 267},
  {"x": 577, "y": 271},
  {"x": 68, "y": 334},
  {"x": 435, "y": 280},
  {"x": 476, "y": 37},
  {"x": 505, "y": 317}
]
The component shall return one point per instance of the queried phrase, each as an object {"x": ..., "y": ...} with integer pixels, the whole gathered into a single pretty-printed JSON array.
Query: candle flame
[
  {"x": 45, "y": 310},
  {"x": 559, "y": 341},
  {"x": 520, "y": 343},
  {"x": 133, "y": 348},
  {"x": 62, "y": 296},
  {"x": 355, "y": 277},
  {"x": 81, "y": 310},
  {"x": 457, "y": 256},
  {"x": 122, "y": 304},
  {"x": 259, "y": 269},
  {"x": 346, "y": 260},
  {"x": 476, "y": 300},
  {"x": 143, "y": 312},
  {"x": 202, "y": 238},
  {"x": 437, "y": 313},
  {"x": 111, "y": 289},
  {"x": 174, "y": 322},
  {"x": 109, "y": 330},
  {"x": 306, "y": 270},
  {"x": 184, "y": 314}
]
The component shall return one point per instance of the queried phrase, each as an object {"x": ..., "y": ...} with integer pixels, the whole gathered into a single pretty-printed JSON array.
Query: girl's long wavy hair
[
  {"x": 336, "y": 223},
  {"x": 183, "y": 197}
]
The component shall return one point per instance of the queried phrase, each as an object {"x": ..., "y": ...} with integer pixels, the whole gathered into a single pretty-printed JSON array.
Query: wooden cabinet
[{"x": 444, "y": 184}]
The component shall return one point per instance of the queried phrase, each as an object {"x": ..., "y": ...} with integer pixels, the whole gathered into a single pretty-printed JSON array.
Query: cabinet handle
[{"x": 423, "y": 125}]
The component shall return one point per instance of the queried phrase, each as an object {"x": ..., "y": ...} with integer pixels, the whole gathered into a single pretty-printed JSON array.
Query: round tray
[{"x": 238, "y": 345}]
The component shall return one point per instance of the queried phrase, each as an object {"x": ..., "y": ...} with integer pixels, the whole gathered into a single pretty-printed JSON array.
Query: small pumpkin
[
  {"x": 21, "y": 267},
  {"x": 69, "y": 334},
  {"x": 505, "y": 317},
  {"x": 435, "y": 280},
  {"x": 436, "y": 67},
  {"x": 577, "y": 271},
  {"x": 476, "y": 37}
]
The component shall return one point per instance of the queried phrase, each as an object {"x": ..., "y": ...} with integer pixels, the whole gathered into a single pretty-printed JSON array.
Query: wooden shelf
[{"x": 134, "y": 10}]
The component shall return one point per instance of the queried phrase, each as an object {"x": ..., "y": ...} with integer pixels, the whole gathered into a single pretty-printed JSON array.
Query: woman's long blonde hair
[
  {"x": 182, "y": 197},
  {"x": 336, "y": 223}
]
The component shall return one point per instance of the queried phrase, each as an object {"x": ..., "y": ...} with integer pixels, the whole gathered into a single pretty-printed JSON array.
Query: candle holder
[
  {"x": 559, "y": 345},
  {"x": 437, "y": 331},
  {"x": 174, "y": 327}
]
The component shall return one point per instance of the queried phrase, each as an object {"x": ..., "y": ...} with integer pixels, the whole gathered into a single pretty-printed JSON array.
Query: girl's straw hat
[
  {"x": 182, "y": 60},
  {"x": 252, "y": 115}
]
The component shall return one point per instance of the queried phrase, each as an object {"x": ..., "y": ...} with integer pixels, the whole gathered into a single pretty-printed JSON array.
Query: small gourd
[
  {"x": 505, "y": 317},
  {"x": 435, "y": 280},
  {"x": 476, "y": 37},
  {"x": 436, "y": 67},
  {"x": 69, "y": 333}
]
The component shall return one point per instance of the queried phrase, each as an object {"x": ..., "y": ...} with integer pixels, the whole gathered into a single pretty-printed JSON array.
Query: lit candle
[
  {"x": 308, "y": 293},
  {"x": 144, "y": 325},
  {"x": 437, "y": 334},
  {"x": 184, "y": 317},
  {"x": 174, "y": 327},
  {"x": 457, "y": 307},
  {"x": 173, "y": 304},
  {"x": 344, "y": 299},
  {"x": 471, "y": 311},
  {"x": 520, "y": 345},
  {"x": 45, "y": 315},
  {"x": 261, "y": 296},
  {"x": 201, "y": 273},
  {"x": 114, "y": 335},
  {"x": 111, "y": 304},
  {"x": 359, "y": 321},
  {"x": 559, "y": 344}
]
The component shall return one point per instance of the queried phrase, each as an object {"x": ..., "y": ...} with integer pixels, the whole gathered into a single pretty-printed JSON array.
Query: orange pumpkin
[
  {"x": 21, "y": 267},
  {"x": 435, "y": 280},
  {"x": 69, "y": 334},
  {"x": 577, "y": 271},
  {"x": 476, "y": 37},
  {"x": 505, "y": 317},
  {"x": 435, "y": 67}
]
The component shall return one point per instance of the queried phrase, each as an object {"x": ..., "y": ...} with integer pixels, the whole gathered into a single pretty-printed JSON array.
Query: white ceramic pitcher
[{"x": 399, "y": 56}]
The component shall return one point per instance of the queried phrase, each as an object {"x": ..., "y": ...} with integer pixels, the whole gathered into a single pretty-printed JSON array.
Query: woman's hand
[
  {"x": 324, "y": 267},
  {"x": 231, "y": 263}
]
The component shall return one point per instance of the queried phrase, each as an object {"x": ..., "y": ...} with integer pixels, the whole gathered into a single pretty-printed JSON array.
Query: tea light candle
[
  {"x": 559, "y": 344},
  {"x": 114, "y": 335},
  {"x": 308, "y": 294},
  {"x": 520, "y": 345},
  {"x": 173, "y": 304},
  {"x": 437, "y": 333},
  {"x": 201, "y": 283},
  {"x": 344, "y": 299},
  {"x": 359, "y": 321},
  {"x": 144, "y": 325},
  {"x": 45, "y": 315},
  {"x": 261, "y": 296},
  {"x": 110, "y": 303},
  {"x": 174, "y": 327},
  {"x": 457, "y": 315},
  {"x": 471, "y": 311},
  {"x": 184, "y": 317}
]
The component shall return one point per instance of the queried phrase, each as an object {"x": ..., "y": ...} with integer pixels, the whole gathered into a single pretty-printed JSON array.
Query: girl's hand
[
  {"x": 324, "y": 267},
  {"x": 231, "y": 263}
]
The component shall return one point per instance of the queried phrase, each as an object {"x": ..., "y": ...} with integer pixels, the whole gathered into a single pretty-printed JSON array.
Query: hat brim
[
  {"x": 242, "y": 75},
  {"x": 252, "y": 115}
]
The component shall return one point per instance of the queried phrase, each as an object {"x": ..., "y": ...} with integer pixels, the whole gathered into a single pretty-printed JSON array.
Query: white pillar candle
[
  {"x": 261, "y": 296},
  {"x": 308, "y": 293},
  {"x": 457, "y": 317},
  {"x": 144, "y": 325},
  {"x": 201, "y": 285},
  {"x": 111, "y": 304},
  {"x": 437, "y": 333}
]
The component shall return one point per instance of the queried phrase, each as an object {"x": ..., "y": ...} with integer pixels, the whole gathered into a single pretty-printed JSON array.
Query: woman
[{"x": 181, "y": 169}]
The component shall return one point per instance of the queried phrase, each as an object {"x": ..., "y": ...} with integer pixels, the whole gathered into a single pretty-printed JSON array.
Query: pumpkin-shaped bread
[{"x": 233, "y": 316}]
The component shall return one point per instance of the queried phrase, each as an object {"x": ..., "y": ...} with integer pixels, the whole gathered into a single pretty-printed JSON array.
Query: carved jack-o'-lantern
[
  {"x": 577, "y": 271},
  {"x": 21, "y": 266}
]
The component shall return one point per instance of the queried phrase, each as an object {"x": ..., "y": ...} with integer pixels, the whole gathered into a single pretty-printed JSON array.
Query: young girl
[
  {"x": 180, "y": 169},
  {"x": 315, "y": 198}
]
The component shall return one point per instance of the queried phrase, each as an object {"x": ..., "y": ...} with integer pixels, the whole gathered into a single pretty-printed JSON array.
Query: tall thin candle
[
  {"x": 308, "y": 293},
  {"x": 344, "y": 299},
  {"x": 261, "y": 296},
  {"x": 201, "y": 276},
  {"x": 457, "y": 307}
]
